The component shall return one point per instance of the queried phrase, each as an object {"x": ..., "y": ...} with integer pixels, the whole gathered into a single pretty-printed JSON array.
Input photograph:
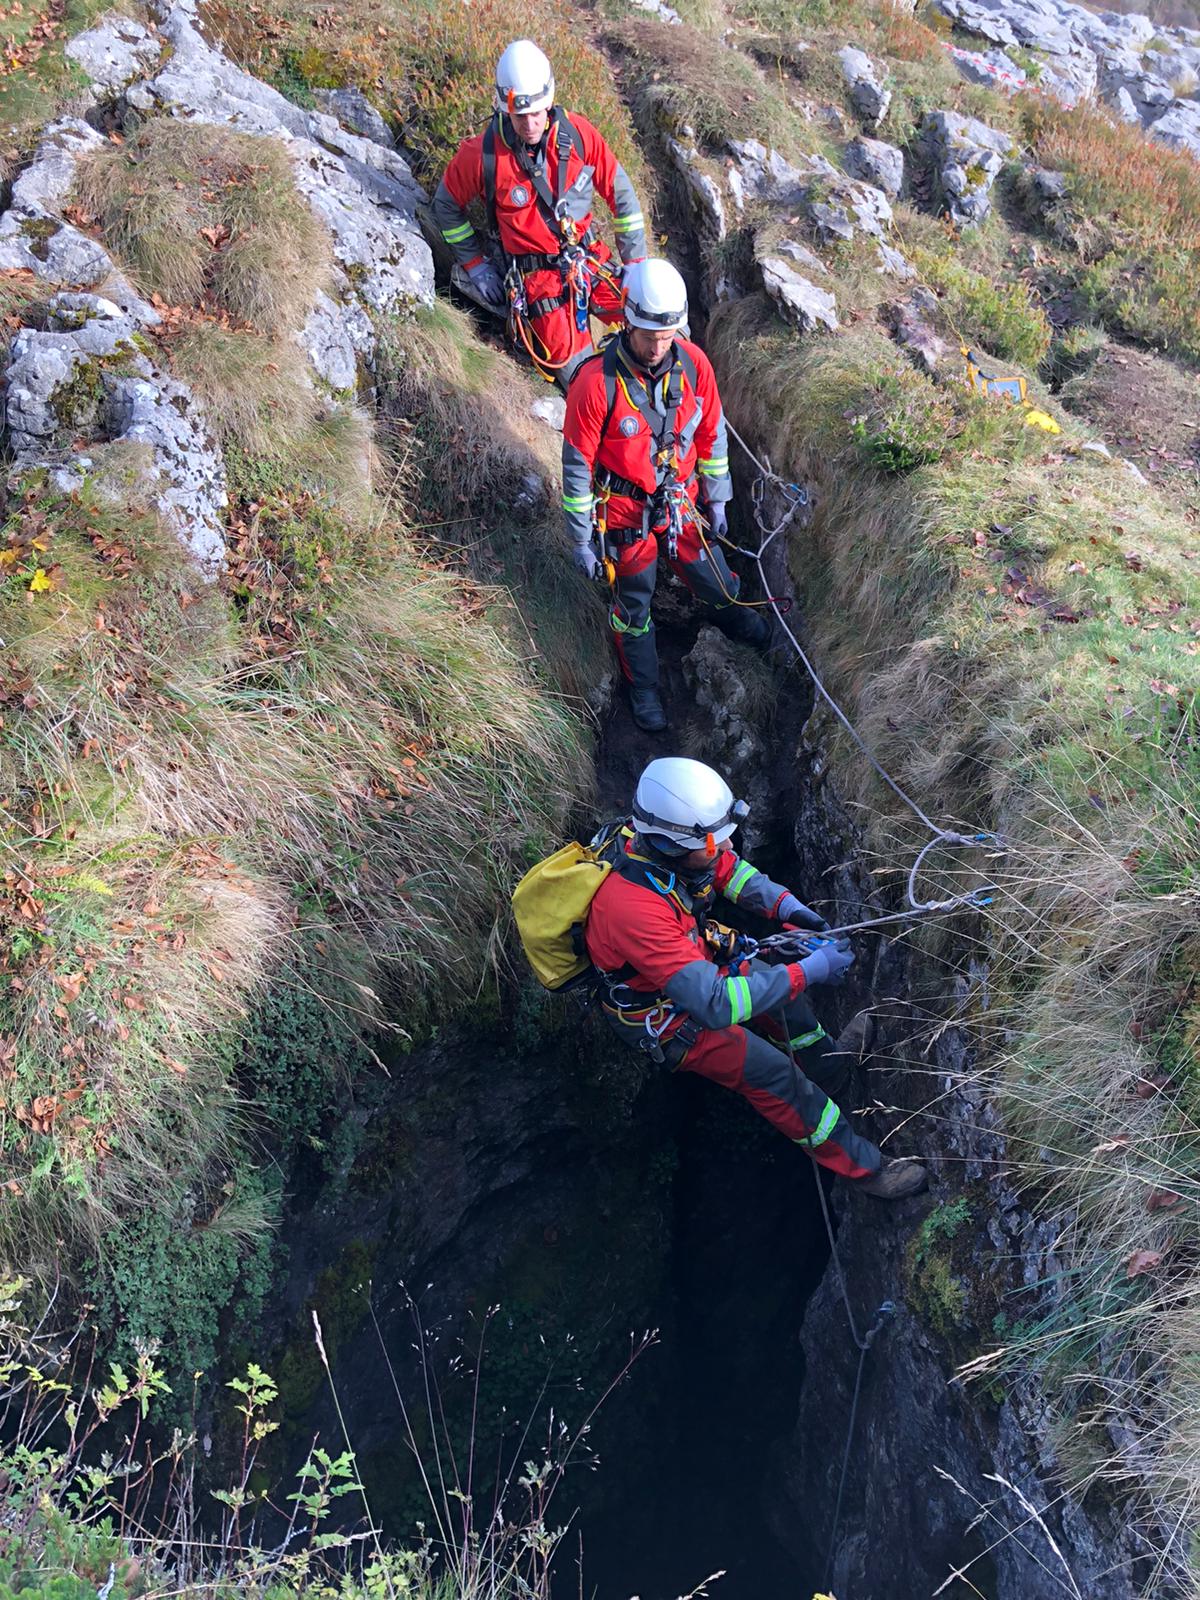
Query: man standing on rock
[
  {"x": 644, "y": 429},
  {"x": 535, "y": 169},
  {"x": 679, "y": 986}
]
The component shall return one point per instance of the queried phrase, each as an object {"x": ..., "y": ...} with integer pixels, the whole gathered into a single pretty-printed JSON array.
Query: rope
[
  {"x": 885, "y": 1309},
  {"x": 796, "y": 497}
]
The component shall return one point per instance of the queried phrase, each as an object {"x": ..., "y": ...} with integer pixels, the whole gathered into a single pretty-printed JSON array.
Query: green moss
[
  {"x": 341, "y": 1301},
  {"x": 936, "y": 1292}
]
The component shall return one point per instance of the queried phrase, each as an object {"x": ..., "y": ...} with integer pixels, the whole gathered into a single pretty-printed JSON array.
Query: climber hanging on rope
[
  {"x": 535, "y": 168},
  {"x": 673, "y": 982},
  {"x": 644, "y": 428}
]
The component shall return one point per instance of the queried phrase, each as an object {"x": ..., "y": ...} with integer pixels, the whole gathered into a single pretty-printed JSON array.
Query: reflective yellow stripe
[
  {"x": 458, "y": 234},
  {"x": 618, "y": 626},
  {"x": 577, "y": 502},
  {"x": 715, "y": 467},
  {"x": 629, "y": 223},
  {"x": 740, "y": 879},
  {"x": 803, "y": 1040},
  {"x": 828, "y": 1122},
  {"x": 739, "y": 999}
]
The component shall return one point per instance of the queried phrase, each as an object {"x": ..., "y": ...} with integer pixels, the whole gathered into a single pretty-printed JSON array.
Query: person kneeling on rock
[
  {"x": 673, "y": 982},
  {"x": 644, "y": 431}
]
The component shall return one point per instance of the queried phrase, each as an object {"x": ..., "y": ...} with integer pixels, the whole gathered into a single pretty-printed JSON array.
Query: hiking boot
[
  {"x": 845, "y": 1053},
  {"x": 895, "y": 1180},
  {"x": 647, "y": 710},
  {"x": 746, "y": 626},
  {"x": 856, "y": 1038}
]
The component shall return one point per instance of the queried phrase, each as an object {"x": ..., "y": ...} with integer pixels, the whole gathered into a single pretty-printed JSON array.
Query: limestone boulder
[
  {"x": 868, "y": 95},
  {"x": 967, "y": 157},
  {"x": 876, "y": 162},
  {"x": 800, "y": 301}
]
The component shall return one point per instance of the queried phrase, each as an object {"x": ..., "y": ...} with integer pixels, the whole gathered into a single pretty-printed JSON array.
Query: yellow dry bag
[{"x": 551, "y": 904}]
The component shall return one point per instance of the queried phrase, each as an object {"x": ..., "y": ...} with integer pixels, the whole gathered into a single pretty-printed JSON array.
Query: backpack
[{"x": 551, "y": 904}]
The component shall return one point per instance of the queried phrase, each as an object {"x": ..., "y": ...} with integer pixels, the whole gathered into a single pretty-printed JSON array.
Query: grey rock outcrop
[
  {"x": 90, "y": 379},
  {"x": 1127, "y": 86},
  {"x": 967, "y": 157},
  {"x": 86, "y": 381},
  {"x": 800, "y": 301},
  {"x": 895, "y": 263},
  {"x": 364, "y": 192},
  {"x": 1071, "y": 79},
  {"x": 354, "y": 111},
  {"x": 756, "y": 173},
  {"x": 702, "y": 189},
  {"x": 912, "y": 324},
  {"x": 35, "y": 237},
  {"x": 115, "y": 53},
  {"x": 876, "y": 162},
  {"x": 992, "y": 68},
  {"x": 328, "y": 339},
  {"x": 868, "y": 95},
  {"x": 1180, "y": 127}
]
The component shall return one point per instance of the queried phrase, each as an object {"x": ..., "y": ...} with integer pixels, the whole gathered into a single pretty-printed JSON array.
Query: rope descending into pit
[{"x": 797, "y": 499}]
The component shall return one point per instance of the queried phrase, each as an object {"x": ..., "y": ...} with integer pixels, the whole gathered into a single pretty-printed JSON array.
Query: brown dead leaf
[{"x": 1142, "y": 1261}]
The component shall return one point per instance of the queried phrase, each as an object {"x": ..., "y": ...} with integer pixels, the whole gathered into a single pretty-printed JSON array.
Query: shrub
[
  {"x": 1132, "y": 212},
  {"x": 901, "y": 420},
  {"x": 1001, "y": 317},
  {"x": 206, "y": 214}
]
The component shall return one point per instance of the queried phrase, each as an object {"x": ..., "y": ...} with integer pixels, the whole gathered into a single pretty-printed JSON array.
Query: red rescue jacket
[{"x": 619, "y": 439}]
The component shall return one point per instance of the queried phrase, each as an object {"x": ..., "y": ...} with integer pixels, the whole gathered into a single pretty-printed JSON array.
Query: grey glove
[
  {"x": 488, "y": 281},
  {"x": 794, "y": 913},
  {"x": 586, "y": 560},
  {"x": 828, "y": 964},
  {"x": 718, "y": 519}
]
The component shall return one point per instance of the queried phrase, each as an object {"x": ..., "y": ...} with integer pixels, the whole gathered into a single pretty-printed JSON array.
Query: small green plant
[
  {"x": 902, "y": 421},
  {"x": 997, "y": 315}
]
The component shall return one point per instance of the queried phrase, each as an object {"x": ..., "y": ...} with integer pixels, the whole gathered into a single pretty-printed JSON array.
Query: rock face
[
  {"x": 364, "y": 192},
  {"x": 912, "y": 323},
  {"x": 876, "y": 162},
  {"x": 1180, "y": 128},
  {"x": 867, "y": 94},
  {"x": 91, "y": 378},
  {"x": 799, "y": 300},
  {"x": 967, "y": 157},
  {"x": 86, "y": 376},
  {"x": 992, "y": 68},
  {"x": 915, "y": 1430},
  {"x": 354, "y": 111},
  {"x": 1144, "y": 71}
]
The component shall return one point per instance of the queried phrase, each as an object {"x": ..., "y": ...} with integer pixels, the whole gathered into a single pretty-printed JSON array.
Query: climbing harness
[
  {"x": 579, "y": 269},
  {"x": 797, "y": 499}
]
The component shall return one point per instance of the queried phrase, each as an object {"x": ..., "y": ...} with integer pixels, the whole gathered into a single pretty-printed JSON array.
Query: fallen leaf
[
  {"x": 1162, "y": 1200},
  {"x": 1142, "y": 1261}
]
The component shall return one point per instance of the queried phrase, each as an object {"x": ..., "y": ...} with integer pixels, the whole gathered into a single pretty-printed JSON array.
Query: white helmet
[
  {"x": 524, "y": 81},
  {"x": 686, "y": 803},
  {"x": 655, "y": 296}
]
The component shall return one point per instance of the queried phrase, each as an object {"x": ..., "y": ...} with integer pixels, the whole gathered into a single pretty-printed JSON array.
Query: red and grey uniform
[
  {"x": 626, "y": 435},
  {"x": 662, "y": 982},
  {"x": 522, "y": 189}
]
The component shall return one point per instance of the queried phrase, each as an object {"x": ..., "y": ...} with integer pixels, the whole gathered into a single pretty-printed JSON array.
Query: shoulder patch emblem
[
  {"x": 629, "y": 426},
  {"x": 519, "y": 195}
]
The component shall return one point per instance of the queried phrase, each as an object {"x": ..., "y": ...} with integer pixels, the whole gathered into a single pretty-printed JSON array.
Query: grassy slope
[{"x": 315, "y": 779}]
